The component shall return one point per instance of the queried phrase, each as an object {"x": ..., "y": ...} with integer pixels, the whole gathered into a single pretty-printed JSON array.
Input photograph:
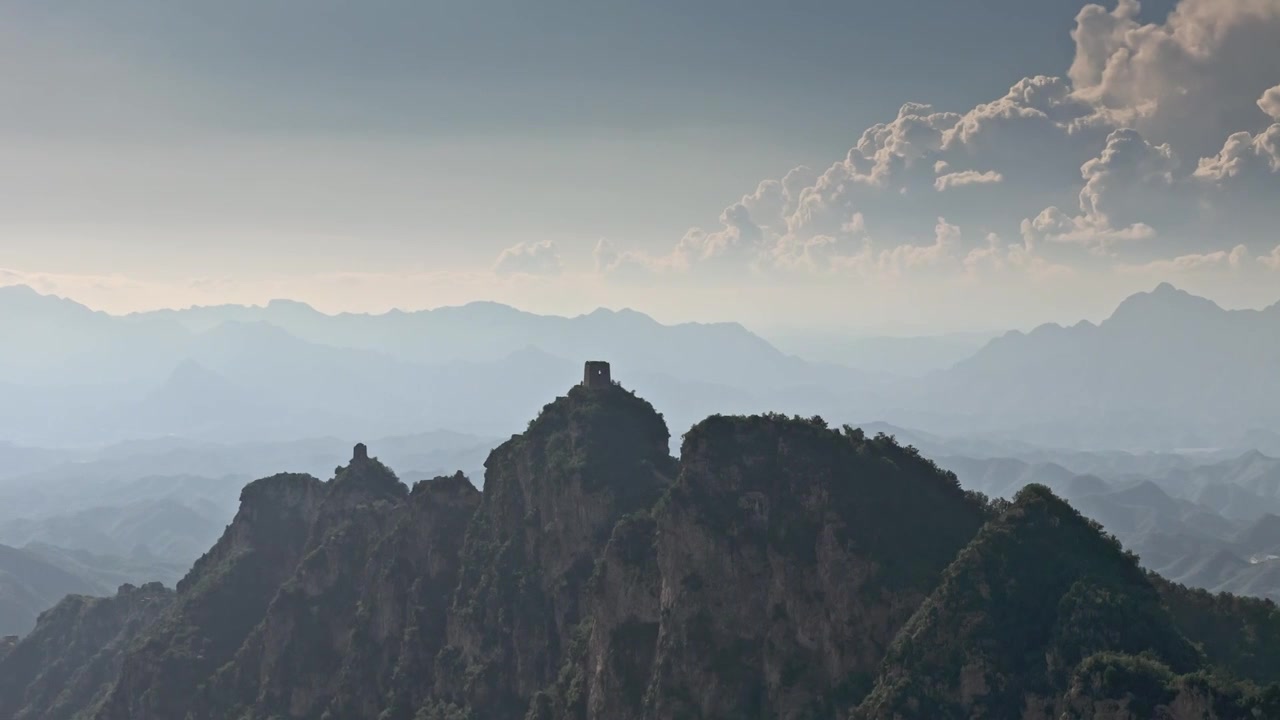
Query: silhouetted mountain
[
  {"x": 232, "y": 374},
  {"x": 164, "y": 529},
  {"x": 1262, "y": 537},
  {"x": 1186, "y": 524},
  {"x": 1038, "y": 592},
  {"x": 768, "y": 581},
  {"x": 64, "y": 668},
  {"x": 29, "y": 584},
  {"x": 891, "y": 356},
  {"x": 778, "y": 569},
  {"x": 1166, "y": 370}
]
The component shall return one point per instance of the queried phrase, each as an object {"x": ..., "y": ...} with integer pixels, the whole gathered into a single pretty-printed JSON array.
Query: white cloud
[
  {"x": 1193, "y": 262},
  {"x": 1270, "y": 103},
  {"x": 886, "y": 149},
  {"x": 1119, "y": 186},
  {"x": 946, "y": 241},
  {"x": 1189, "y": 80},
  {"x": 1273, "y": 260},
  {"x": 996, "y": 256},
  {"x": 1128, "y": 164},
  {"x": 1108, "y": 138},
  {"x": 529, "y": 258},
  {"x": 1043, "y": 102},
  {"x": 1236, "y": 257},
  {"x": 966, "y": 177},
  {"x": 822, "y": 252},
  {"x": 1242, "y": 154}
]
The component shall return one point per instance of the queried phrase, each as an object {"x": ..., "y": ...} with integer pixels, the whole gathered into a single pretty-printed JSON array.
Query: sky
[{"x": 851, "y": 167}]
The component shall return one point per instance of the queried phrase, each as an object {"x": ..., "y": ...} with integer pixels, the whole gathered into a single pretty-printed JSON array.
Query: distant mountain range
[
  {"x": 29, "y": 585},
  {"x": 1167, "y": 371},
  {"x": 1212, "y": 525},
  {"x": 70, "y": 375}
]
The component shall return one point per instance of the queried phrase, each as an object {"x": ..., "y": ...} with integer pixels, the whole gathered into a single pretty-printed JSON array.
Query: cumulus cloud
[
  {"x": 1194, "y": 262},
  {"x": 966, "y": 177},
  {"x": 1270, "y": 103},
  {"x": 889, "y": 262},
  {"x": 1243, "y": 154},
  {"x": 1246, "y": 156},
  {"x": 888, "y": 148},
  {"x": 1127, "y": 166},
  {"x": 1080, "y": 167},
  {"x": 1119, "y": 185},
  {"x": 1273, "y": 260},
  {"x": 1242, "y": 151},
  {"x": 1189, "y": 80},
  {"x": 1020, "y": 257},
  {"x": 822, "y": 252},
  {"x": 1040, "y": 103},
  {"x": 946, "y": 241},
  {"x": 529, "y": 258}
]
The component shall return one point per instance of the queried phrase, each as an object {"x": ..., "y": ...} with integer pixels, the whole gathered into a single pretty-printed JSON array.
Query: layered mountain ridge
[
  {"x": 1166, "y": 371},
  {"x": 780, "y": 568}
]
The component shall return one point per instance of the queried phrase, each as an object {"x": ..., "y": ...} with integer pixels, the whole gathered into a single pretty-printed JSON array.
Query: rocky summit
[{"x": 779, "y": 568}]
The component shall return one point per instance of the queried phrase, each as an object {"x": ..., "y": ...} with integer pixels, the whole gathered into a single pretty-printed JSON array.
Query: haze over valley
[
  {"x": 136, "y": 433},
  {"x": 563, "y": 360}
]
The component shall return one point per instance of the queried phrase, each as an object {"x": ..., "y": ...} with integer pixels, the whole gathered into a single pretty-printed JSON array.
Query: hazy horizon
[
  {"x": 696, "y": 165},
  {"x": 775, "y": 333},
  {"x": 620, "y": 360}
]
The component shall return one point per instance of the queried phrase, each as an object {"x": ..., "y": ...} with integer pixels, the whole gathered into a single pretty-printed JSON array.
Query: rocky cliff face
[
  {"x": 63, "y": 669},
  {"x": 767, "y": 583},
  {"x": 219, "y": 603},
  {"x": 350, "y": 633},
  {"x": 321, "y": 600},
  {"x": 551, "y": 499},
  {"x": 781, "y": 569}
]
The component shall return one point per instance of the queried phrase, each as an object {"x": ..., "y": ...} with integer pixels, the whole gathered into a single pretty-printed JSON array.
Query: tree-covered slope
[{"x": 1045, "y": 616}]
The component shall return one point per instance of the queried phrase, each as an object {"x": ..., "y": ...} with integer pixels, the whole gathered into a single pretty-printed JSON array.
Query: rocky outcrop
[
  {"x": 552, "y": 496},
  {"x": 769, "y": 581},
  {"x": 390, "y": 668},
  {"x": 321, "y": 600},
  {"x": 219, "y": 603},
  {"x": 63, "y": 669},
  {"x": 348, "y": 633}
]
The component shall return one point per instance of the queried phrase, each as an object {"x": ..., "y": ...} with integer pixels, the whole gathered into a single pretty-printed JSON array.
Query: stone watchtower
[{"x": 596, "y": 375}]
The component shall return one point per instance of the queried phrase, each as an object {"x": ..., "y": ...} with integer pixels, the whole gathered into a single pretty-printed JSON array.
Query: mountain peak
[
  {"x": 287, "y": 305},
  {"x": 25, "y": 297},
  {"x": 1165, "y": 305},
  {"x": 190, "y": 373},
  {"x": 369, "y": 476}
]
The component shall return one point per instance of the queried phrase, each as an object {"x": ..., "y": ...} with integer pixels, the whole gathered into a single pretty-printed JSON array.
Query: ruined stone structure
[
  {"x": 360, "y": 453},
  {"x": 596, "y": 374}
]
